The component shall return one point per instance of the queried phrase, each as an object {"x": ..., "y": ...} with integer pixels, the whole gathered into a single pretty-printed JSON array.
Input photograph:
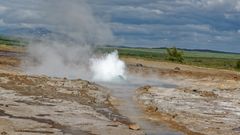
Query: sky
[{"x": 193, "y": 24}]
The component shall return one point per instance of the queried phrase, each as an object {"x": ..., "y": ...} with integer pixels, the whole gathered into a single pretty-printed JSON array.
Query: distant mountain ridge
[
  {"x": 25, "y": 32},
  {"x": 34, "y": 34}
]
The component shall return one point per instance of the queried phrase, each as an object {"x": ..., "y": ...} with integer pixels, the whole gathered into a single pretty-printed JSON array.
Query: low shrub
[{"x": 174, "y": 55}]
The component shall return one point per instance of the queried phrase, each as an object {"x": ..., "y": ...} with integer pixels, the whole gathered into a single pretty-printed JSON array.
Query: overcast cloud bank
[{"x": 202, "y": 24}]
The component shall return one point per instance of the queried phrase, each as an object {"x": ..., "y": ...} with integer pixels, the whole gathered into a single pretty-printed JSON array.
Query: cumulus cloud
[
  {"x": 139, "y": 10},
  {"x": 210, "y": 24},
  {"x": 237, "y": 6},
  {"x": 2, "y": 23},
  {"x": 2, "y": 9}
]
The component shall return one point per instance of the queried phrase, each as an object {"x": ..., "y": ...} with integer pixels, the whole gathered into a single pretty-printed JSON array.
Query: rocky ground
[
  {"x": 43, "y": 105},
  {"x": 34, "y": 105},
  {"x": 204, "y": 102}
]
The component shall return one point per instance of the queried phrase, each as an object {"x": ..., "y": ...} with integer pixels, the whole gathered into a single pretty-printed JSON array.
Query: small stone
[
  {"x": 208, "y": 94},
  {"x": 145, "y": 88},
  {"x": 115, "y": 124},
  {"x": 177, "y": 68},
  {"x": 194, "y": 90},
  {"x": 174, "y": 116},
  {"x": 134, "y": 127},
  {"x": 139, "y": 65},
  {"x": 4, "y": 133},
  {"x": 152, "y": 109},
  {"x": 235, "y": 78},
  {"x": 236, "y": 129}
]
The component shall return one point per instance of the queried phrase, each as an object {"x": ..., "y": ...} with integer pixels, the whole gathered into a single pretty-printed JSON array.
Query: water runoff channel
[{"x": 124, "y": 90}]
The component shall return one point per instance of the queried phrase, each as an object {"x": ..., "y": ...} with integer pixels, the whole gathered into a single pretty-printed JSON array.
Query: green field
[
  {"x": 12, "y": 41},
  {"x": 208, "y": 59}
]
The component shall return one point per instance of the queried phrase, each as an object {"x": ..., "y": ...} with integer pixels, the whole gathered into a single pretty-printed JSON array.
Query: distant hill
[
  {"x": 37, "y": 34},
  {"x": 201, "y": 50},
  {"x": 12, "y": 41},
  {"x": 25, "y": 32},
  {"x": 184, "y": 49}
]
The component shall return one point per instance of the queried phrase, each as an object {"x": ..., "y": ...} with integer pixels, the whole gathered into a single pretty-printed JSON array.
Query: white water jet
[{"x": 108, "y": 68}]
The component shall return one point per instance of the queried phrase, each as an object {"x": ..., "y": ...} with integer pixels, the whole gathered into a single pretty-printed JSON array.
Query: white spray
[{"x": 108, "y": 68}]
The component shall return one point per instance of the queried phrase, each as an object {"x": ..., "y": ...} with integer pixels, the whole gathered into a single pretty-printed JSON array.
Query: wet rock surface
[
  {"x": 206, "y": 101},
  {"x": 205, "y": 106},
  {"x": 43, "y": 105}
]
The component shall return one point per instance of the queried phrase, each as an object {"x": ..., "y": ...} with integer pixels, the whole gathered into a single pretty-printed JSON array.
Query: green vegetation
[
  {"x": 208, "y": 59},
  {"x": 174, "y": 55},
  {"x": 4, "y": 40},
  {"x": 197, "y": 58},
  {"x": 238, "y": 65}
]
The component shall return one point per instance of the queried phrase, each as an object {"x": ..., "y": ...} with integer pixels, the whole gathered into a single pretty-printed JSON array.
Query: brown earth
[{"x": 172, "y": 70}]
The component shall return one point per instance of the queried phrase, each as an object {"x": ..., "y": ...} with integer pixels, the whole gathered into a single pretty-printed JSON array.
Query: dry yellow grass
[{"x": 11, "y": 48}]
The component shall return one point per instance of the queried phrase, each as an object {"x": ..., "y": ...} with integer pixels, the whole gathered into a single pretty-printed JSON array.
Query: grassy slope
[
  {"x": 4, "y": 40},
  {"x": 196, "y": 58},
  {"x": 12, "y": 44}
]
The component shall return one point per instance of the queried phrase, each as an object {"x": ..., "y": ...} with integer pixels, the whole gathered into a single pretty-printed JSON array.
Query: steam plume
[{"x": 65, "y": 52}]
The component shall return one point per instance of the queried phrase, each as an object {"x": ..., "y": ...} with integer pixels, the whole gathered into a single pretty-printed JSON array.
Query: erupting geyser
[{"x": 108, "y": 68}]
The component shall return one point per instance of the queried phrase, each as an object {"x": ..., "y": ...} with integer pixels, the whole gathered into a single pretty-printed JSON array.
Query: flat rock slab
[
  {"x": 33, "y": 105},
  {"x": 200, "y": 106}
]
